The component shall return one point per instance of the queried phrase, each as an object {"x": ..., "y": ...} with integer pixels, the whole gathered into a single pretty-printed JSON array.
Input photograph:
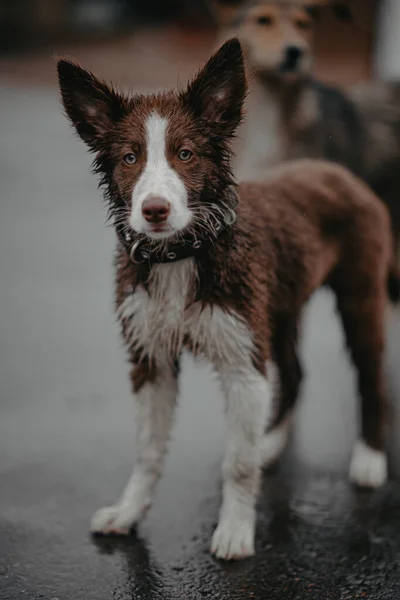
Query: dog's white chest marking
[{"x": 164, "y": 318}]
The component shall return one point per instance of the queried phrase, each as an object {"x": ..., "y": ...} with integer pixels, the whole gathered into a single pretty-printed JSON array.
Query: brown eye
[
  {"x": 130, "y": 159},
  {"x": 185, "y": 155},
  {"x": 264, "y": 20}
]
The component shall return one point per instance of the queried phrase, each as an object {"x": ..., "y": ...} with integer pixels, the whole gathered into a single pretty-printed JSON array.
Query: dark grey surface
[{"x": 67, "y": 420}]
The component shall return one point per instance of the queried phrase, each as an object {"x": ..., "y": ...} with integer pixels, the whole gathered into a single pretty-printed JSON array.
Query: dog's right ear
[
  {"x": 225, "y": 11},
  {"x": 92, "y": 106},
  {"x": 342, "y": 11},
  {"x": 314, "y": 10},
  {"x": 217, "y": 93}
]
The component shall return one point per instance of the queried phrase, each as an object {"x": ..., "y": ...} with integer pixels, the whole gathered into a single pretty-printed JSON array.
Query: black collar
[{"x": 142, "y": 251}]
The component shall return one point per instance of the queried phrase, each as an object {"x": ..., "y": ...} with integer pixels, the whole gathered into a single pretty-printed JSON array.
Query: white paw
[
  {"x": 233, "y": 540},
  {"x": 117, "y": 520},
  {"x": 368, "y": 467},
  {"x": 274, "y": 442}
]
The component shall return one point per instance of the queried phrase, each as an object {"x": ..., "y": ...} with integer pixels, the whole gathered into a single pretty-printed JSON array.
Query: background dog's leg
[
  {"x": 286, "y": 377},
  {"x": 362, "y": 314},
  {"x": 248, "y": 400},
  {"x": 155, "y": 402}
]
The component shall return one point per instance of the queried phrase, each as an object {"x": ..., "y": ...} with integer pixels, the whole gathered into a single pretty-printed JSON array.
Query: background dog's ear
[
  {"x": 225, "y": 11},
  {"x": 342, "y": 11},
  {"x": 91, "y": 105},
  {"x": 314, "y": 10},
  {"x": 218, "y": 91}
]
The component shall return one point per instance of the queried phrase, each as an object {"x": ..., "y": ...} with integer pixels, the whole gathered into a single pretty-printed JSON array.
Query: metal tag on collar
[
  {"x": 132, "y": 253},
  {"x": 234, "y": 196},
  {"x": 230, "y": 216}
]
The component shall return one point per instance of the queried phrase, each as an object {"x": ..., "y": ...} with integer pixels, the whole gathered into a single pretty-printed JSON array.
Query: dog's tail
[{"x": 394, "y": 281}]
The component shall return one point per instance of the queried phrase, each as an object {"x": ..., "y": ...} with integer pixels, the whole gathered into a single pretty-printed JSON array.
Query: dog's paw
[
  {"x": 274, "y": 443},
  {"x": 233, "y": 540},
  {"x": 113, "y": 520},
  {"x": 368, "y": 467}
]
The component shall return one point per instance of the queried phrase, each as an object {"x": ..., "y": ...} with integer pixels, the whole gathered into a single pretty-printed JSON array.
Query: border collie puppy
[{"x": 224, "y": 272}]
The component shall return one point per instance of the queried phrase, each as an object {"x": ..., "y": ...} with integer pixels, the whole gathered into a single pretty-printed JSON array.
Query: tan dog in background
[{"x": 291, "y": 115}]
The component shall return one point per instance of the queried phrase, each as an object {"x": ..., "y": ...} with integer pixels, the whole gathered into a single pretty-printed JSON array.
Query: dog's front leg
[
  {"x": 247, "y": 405},
  {"x": 155, "y": 401}
]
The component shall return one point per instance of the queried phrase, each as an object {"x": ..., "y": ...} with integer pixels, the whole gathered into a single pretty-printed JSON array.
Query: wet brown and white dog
[
  {"x": 224, "y": 272},
  {"x": 291, "y": 115}
]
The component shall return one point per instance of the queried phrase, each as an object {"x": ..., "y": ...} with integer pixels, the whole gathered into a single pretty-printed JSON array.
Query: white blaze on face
[{"x": 159, "y": 179}]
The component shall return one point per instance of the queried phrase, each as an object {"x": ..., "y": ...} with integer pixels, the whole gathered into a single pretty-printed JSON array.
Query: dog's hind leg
[
  {"x": 286, "y": 375},
  {"x": 156, "y": 391},
  {"x": 361, "y": 304}
]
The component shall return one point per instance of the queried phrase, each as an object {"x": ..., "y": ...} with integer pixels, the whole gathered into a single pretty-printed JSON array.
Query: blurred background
[
  {"x": 155, "y": 41},
  {"x": 66, "y": 416}
]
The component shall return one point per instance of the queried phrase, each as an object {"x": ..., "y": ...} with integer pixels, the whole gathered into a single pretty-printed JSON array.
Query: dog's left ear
[
  {"x": 217, "y": 93},
  {"x": 342, "y": 11},
  {"x": 314, "y": 10}
]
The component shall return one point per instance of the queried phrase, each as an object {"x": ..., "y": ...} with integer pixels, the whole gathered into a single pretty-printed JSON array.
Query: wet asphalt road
[{"x": 66, "y": 421}]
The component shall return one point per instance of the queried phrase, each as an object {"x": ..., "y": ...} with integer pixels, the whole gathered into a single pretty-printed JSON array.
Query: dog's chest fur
[
  {"x": 164, "y": 318},
  {"x": 259, "y": 142}
]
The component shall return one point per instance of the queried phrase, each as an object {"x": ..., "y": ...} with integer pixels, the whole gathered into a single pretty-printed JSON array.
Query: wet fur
[{"x": 239, "y": 304}]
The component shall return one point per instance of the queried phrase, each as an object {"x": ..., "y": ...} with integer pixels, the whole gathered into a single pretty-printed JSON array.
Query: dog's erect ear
[
  {"x": 342, "y": 11},
  {"x": 314, "y": 10},
  {"x": 217, "y": 93},
  {"x": 91, "y": 105},
  {"x": 225, "y": 11}
]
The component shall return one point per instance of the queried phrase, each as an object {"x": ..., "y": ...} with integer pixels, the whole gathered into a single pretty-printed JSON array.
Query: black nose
[{"x": 293, "y": 54}]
